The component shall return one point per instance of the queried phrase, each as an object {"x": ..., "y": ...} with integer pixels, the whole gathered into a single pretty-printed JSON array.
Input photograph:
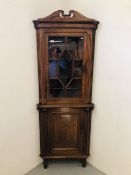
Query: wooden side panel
[
  {"x": 88, "y": 66},
  {"x": 42, "y": 65}
]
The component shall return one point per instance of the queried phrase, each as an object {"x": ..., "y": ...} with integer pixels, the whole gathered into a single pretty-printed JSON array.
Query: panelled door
[{"x": 66, "y": 132}]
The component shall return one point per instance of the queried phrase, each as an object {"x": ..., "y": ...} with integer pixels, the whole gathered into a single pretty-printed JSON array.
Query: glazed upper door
[{"x": 67, "y": 65}]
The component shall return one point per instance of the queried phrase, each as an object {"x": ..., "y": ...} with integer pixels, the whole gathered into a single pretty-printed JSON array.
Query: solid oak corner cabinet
[{"x": 65, "y": 46}]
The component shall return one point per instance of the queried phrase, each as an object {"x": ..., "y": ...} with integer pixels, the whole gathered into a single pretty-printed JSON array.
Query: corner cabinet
[{"x": 65, "y": 47}]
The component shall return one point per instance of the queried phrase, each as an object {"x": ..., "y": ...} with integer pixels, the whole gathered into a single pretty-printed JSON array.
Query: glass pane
[
  {"x": 56, "y": 88},
  {"x": 65, "y": 66},
  {"x": 75, "y": 46},
  {"x": 74, "y": 83},
  {"x": 73, "y": 93},
  {"x": 58, "y": 42},
  {"x": 56, "y": 45},
  {"x": 74, "y": 88},
  {"x": 57, "y": 93},
  {"x": 77, "y": 68}
]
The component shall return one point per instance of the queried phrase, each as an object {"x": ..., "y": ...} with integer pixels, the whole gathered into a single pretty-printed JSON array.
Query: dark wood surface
[
  {"x": 65, "y": 122},
  {"x": 60, "y": 17}
]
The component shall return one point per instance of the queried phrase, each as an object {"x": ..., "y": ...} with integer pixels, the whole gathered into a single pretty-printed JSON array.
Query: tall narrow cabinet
[{"x": 65, "y": 47}]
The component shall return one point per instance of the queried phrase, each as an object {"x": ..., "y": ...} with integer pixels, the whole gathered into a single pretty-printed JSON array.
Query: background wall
[
  {"x": 110, "y": 137},
  {"x": 19, "y": 129}
]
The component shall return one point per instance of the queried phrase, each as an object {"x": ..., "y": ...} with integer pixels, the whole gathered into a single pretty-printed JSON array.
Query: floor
[{"x": 65, "y": 168}]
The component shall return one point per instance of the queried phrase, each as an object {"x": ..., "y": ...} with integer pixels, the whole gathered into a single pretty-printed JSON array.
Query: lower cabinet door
[{"x": 67, "y": 132}]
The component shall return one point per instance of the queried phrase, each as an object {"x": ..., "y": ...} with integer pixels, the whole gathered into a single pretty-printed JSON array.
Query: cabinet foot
[
  {"x": 83, "y": 162},
  {"x": 45, "y": 162}
]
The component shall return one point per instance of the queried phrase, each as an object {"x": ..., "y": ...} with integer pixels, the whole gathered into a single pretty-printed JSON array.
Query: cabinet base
[
  {"x": 45, "y": 162},
  {"x": 83, "y": 161}
]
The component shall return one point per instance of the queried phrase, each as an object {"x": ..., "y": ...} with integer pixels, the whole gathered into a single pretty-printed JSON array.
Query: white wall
[
  {"x": 19, "y": 133},
  {"x": 19, "y": 127},
  {"x": 111, "y": 122}
]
